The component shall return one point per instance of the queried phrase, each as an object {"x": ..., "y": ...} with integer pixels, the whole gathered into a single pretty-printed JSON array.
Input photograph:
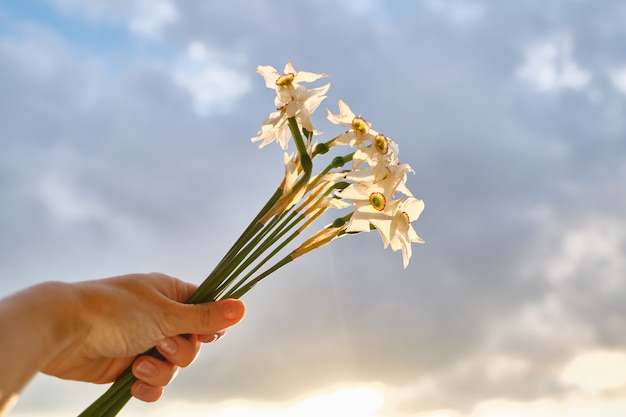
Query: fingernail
[
  {"x": 210, "y": 338},
  {"x": 141, "y": 388},
  {"x": 232, "y": 309},
  {"x": 168, "y": 346},
  {"x": 145, "y": 368}
]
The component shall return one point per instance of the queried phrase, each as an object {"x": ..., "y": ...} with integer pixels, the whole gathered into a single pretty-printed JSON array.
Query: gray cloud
[{"x": 514, "y": 177}]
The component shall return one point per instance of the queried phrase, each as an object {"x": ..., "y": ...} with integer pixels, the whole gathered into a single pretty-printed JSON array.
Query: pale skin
[{"x": 92, "y": 331}]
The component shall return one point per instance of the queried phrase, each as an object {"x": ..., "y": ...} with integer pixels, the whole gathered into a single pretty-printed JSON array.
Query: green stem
[
  {"x": 337, "y": 162},
  {"x": 305, "y": 159},
  {"x": 276, "y": 250},
  {"x": 205, "y": 290},
  {"x": 244, "y": 258},
  {"x": 248, "y": 286},
  {"x": 234, "y": 256},
  {"x": 115, "y": 398},
  {"x": 118, "y": 394}
]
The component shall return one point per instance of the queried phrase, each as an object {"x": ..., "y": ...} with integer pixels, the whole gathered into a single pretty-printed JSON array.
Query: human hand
[{"x": 116, "y": 319}]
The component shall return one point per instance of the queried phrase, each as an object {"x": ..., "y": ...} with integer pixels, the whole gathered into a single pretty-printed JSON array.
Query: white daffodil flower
[
  {"x": 381, "y": 152},
  {"x": 373, "y": 204},
  {"x": 292, "y": 100},
  {"x": 402, "y": 232},
  {"x": 287, "y": 84},
  {"x": 359, "y": 129}
]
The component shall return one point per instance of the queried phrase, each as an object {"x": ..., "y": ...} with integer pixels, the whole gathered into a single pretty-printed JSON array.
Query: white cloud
[
  {"x": 550, "y": 67},
  {"x": 66, "y": 201},
  {"x": 369, "y": 401},
  {"x": 212, "y": 83},
  {"x": 71, "y": 204},
  {"x": 143, "y": 17},
  {"x": 596, "y": 371},
  {"x": 362, "y": 401},
  {"x": 460, "y": 13},
  {"x": 551, "y": 407},
  {"x": 536, "y": 321},
  {"x": 425, "y": 389},
  {"x": 438, "y": 413},
  {"x": 150, "y": 17},
  {"x": 507, "y": 408},
  {"x": 196, "y": 70},
  {"x": 618, "y": 78},
  {"x": 502, "y": 367},
  {"x": 595, "y": 246}
]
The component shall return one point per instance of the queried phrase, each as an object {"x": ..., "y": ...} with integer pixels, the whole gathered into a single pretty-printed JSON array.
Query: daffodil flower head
[
  {"x": 292, "y": 100},
  {"x": 379, "y": 153},
  {"x": 372, "y": 205},
  {"x": 287, "y": 85},
  {"x": 359, "y": 129}
]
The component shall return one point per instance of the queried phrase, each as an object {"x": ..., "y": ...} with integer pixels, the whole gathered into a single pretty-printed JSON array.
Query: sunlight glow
[
  {"x": 361, "y": 401},
  {"x": 596, "y": 371},
  {"x": 356, "y": 401}
]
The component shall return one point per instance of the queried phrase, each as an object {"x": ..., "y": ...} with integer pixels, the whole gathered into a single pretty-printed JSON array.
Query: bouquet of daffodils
[{"x": 367, "y": 187}]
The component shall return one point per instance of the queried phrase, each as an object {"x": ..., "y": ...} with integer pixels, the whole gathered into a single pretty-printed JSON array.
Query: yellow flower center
[
  {"x": 285, "y": 80},
  {"x": 381, "y": 143},
  {"x": 378, "y": 201},
  {"x": 359, "y": 125}
]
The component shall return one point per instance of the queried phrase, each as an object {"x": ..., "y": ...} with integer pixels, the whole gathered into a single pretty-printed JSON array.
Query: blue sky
[{"x": 126, "y": 131}]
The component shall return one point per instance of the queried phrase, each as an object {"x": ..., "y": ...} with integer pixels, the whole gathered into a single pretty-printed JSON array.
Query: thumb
[{"x": 207, "y": 318}]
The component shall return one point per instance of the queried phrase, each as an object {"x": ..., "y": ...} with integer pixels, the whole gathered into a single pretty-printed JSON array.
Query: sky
[{"x": 125, "y": 133}]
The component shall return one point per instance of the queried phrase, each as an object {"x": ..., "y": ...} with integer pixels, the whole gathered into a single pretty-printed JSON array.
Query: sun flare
[{"x": 362, "y": 401}]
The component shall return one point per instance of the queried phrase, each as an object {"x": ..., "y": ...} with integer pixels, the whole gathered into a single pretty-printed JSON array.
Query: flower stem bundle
[{"x": 366, "y": 185}]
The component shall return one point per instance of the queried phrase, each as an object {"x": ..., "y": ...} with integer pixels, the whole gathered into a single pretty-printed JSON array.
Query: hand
[
  {"x": 127, "y": 315},
  {"x": 93, "y": 330}
]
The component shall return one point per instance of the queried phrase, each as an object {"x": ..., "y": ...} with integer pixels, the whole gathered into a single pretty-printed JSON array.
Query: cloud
[
  {"x": 150, "y": 18},
  {"x": 68, "y": 203},
  {"x": 593, "y": 247},
  {"x": 213, "y": 84},
  {"x": 142, "y": 17},
  {"x": 106, "y": 167},
  {"x": 549, "y": 66},
  {"x": 618, "y": 78},
  {"x": 362, "y": 401},
  {"x": 596, "y": 371},
  {"x": 548, "y": 407},
  {"x": 438, "y": 413},
  {"x": 459, "y": 13}
]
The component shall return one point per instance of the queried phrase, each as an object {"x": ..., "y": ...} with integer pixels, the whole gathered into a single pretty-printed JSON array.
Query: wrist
[
  {"x": 61, "y": 302},
  {"x": 37, "y": 324},
  {"x": 55, "y": 317}
]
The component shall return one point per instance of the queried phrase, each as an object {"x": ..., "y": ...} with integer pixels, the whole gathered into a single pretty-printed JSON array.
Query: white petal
[
  {"x": 344, "y": 117},
  {"x": 413, "y": 208},
  {"x": 289, "y": 69},
  {"x": 307, "y": 77},
  {"x": 270, "y": 75},
  {"x": 358, "y": 225}
]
